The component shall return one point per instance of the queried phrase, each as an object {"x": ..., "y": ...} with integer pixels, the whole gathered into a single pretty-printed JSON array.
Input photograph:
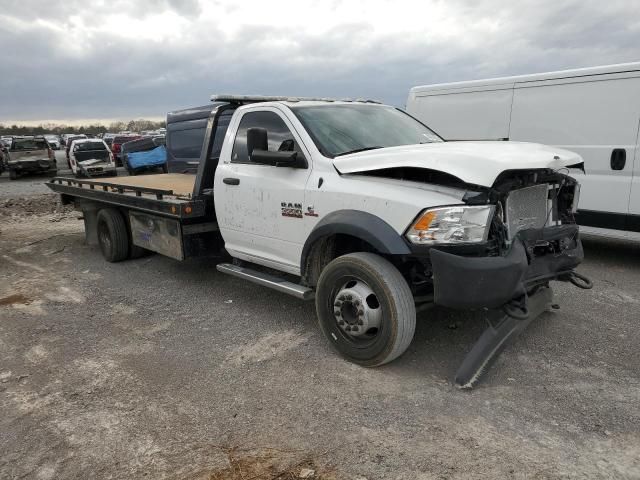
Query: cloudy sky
[{"x": 122, "y": 59}]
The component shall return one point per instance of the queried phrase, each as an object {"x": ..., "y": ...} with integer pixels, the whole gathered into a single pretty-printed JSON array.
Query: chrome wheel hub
[{"x": 357, "y": 310}]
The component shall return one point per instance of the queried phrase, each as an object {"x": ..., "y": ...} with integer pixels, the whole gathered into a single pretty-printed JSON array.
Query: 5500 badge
[
  {"x": 294, "y": 210},
  {"x": 291, "y": 209}
]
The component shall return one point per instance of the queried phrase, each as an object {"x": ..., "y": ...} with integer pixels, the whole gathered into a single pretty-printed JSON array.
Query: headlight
[{"x": 459, "y": 224}]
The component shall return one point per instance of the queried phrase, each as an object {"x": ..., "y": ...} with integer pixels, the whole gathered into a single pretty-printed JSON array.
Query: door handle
[
  {"x": 231, "y": 181},
  {"x": 618, "y": 158}
]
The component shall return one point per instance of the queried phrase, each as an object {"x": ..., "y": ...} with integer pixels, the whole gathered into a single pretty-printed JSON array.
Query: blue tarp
[{"x": 151, "y": 158}]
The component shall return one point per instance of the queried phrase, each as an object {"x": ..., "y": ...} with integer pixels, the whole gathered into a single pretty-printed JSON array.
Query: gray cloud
[{"x": 56, "y": 64}]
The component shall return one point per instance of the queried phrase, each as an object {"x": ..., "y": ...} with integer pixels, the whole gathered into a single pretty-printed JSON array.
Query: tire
[
  {"x": 165, "y": 168},
  {"x": 13, "y": 175},
  {"x": 112, "y": 235},
  {"x": 383, "y": 324}
]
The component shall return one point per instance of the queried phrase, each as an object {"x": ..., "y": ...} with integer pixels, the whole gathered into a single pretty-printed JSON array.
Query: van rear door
[{"x": 597, "y": 117}]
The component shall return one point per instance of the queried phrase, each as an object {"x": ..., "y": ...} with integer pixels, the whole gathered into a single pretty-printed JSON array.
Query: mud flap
[{"x": 502, "y": 330}]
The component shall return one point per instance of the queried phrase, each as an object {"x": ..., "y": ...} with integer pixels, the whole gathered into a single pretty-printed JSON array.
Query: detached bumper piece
[
  {"x": 503, "y": 329},
  {"x": 513, "y": 288}
]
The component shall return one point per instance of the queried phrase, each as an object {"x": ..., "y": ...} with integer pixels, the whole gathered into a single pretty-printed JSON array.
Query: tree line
[{"x": 58, "y": 129}]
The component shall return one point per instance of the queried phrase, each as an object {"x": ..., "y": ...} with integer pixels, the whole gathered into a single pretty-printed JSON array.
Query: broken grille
[{"x": 526, "y": 208}]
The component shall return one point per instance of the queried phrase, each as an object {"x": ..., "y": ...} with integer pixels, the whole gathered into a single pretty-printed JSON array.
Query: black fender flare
[{"x": 356, "y": 223}]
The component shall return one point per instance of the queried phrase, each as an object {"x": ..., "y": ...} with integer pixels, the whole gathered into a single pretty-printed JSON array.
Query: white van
[{"x": 592, "y": 111}]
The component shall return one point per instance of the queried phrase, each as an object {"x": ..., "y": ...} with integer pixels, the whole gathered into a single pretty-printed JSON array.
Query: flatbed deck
[
  {"x": 169, "y": 195},
  {"x": 181, "y": 184}
]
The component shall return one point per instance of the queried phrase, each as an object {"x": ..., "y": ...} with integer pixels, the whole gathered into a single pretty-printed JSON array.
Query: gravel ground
[{"x": 156, "y": 368}]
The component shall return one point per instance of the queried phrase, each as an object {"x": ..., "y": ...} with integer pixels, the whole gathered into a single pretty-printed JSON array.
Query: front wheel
[{"x": 365, "y": 308}]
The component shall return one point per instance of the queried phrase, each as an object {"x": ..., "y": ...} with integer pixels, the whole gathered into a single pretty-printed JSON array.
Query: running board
[{"x": 266, "y": 280}]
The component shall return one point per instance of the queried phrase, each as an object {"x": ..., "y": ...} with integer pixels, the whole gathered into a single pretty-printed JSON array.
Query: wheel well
[{"x": 326, "y": 249}]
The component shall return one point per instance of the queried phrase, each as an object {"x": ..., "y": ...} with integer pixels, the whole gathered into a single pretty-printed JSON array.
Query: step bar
[{"x": 267, "y": 280}]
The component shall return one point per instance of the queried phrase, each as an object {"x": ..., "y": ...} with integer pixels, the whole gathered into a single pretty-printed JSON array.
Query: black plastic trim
[
  {"x": 490, "y": 282},
  {"x": 610, "y": 220},
  {"x": 356, "y": 223}
]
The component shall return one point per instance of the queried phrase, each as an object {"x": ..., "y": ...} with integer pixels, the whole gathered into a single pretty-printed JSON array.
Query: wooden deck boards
[{"x": 180, "y": 183}]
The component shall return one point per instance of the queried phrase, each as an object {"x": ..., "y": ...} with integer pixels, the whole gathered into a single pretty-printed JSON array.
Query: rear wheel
[
  {"x": 13, "y": 175},
  {"x": 112, "y": 235},
  {"x": 365, "y": 308}
]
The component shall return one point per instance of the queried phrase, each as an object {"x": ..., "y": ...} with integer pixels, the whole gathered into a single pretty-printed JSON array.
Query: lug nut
[
  {"x": 340, "y": 322},
  {"x": 349, "y": 297},
  {"x": 357, "y": 303},
  {"x": 348, "y": 328},
  {"x": 354, "y": 329},
  {"x": 337, "y": 313},
  {"x": 338, "y": 303},
  {"x": 360, "y": 322},
  {"x": 360, "y": 312}
]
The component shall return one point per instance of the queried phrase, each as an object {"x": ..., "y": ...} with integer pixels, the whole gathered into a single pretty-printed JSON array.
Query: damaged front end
[{"x": 532, "y": 239}]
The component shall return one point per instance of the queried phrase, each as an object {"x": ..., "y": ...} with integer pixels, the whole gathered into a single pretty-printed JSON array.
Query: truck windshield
[{"x": 343, "y": 129}]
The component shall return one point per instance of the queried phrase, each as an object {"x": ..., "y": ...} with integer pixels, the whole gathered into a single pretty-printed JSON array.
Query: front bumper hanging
[
  {"x": 512, "y": 290},
  {"x": 490, "y": 282}
]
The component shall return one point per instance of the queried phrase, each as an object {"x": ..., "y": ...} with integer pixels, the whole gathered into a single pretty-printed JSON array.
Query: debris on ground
[
  {"x": 269, "y": 464},
  {"x": 35, "y": 205}
]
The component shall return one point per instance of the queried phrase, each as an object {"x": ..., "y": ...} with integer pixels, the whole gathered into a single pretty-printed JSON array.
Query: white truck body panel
[
  {"x": 589, "y": 111},
  {"x": 478, "y": 163}
]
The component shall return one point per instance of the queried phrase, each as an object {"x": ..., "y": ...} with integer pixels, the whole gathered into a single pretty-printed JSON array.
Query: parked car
[
  {"x": 144, "y": 155},
  {"x": 116, "y": 145},
  {"x": 591, "y": 111},
  {"x": 108, "y": 138},
  {"x": 30, "y": 155},
  {"x": 53, "y": 141},
  {"x": 4, "y": 154},
  {"x": 90, "y": 158},
  {"x": 6, "y": 141},
  {"x": 69, "y": 140},
  {"x": 364, "y": 209}
]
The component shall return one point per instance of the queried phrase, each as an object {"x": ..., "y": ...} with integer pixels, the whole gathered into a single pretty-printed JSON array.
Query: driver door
[{"x": 259, "y": 207}]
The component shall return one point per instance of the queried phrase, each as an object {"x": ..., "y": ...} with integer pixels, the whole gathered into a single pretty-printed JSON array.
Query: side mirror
[{"x": 256, "y": 139}]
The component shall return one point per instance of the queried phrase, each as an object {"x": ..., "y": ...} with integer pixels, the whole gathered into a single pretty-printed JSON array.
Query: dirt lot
[{"x": 152, "y": 368}]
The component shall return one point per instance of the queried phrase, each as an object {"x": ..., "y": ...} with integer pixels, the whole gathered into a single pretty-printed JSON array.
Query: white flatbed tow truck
[{"x": 364, "y": 209}]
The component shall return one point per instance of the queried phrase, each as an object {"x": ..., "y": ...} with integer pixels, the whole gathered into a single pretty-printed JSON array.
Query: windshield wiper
[{"x": 364, "y": 149}]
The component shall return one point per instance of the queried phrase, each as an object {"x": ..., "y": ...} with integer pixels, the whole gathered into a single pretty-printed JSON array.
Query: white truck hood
[{"x": 477, "y": 163}]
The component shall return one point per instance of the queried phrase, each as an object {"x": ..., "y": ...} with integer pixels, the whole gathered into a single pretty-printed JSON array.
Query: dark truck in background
[
  {"x": 30, "y": 155},
  {"x": 186, "y": 133}
]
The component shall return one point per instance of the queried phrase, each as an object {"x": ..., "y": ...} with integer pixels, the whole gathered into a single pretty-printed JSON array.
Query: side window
[
  {"x": 186, "y": 143},
  {"x": 279, "y": 136}
]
